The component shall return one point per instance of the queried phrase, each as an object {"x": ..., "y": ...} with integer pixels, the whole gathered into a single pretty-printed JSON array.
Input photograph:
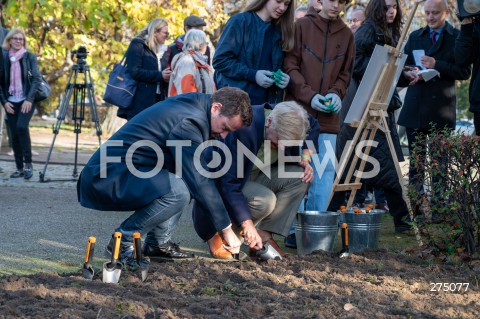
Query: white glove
[
  {"x": 262, "y": 77},
  {"x": 317, "y": 103},
  {"x": 284, "y": 82},
  {"x": 336, "y": 102}
]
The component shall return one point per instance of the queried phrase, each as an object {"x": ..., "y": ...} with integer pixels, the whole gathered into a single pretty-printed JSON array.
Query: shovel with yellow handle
[
  {"x": 88, "y": 271},
  {"x": 345, "y": 251},
  {"x": 142, "y": 263},
  {"x": 113, "y": 269}
]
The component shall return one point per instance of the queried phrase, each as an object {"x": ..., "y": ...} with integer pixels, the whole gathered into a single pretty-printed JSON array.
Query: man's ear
[
  {"x": 268, "y": 122},
  {"x": 216, "y": 106}
]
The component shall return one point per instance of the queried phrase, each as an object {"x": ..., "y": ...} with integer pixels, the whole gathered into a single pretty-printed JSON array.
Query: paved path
[{"x": 44, "y": 228}]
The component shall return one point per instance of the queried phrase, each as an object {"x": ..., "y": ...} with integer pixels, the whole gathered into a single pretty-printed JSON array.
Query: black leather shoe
[
  {"x": 168, "y": 251},
  {"x": 18, "y": 173}
]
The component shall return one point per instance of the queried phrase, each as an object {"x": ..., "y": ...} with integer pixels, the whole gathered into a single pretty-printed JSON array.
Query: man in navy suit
[
  {"x": 150, "y": 166},
  {"x": 431, "y": 104}
]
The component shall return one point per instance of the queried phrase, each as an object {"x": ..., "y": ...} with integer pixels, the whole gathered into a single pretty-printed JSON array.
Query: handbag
[
  {"x": 43, "y": 89},
  {"x": 121, "y": 87}
]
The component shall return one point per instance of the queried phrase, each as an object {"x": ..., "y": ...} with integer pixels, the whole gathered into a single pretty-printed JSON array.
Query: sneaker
[
  {"x": 168, "y": 251},
  {"x": 127, "y": 254},
  {"x": 28, "y": 171},
  {"x": 18, "y": 173},
  {"x": 291, "y": 241}
]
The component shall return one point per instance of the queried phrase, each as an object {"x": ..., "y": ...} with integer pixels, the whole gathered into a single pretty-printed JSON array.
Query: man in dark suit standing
[{"x": 431, "y": 104}]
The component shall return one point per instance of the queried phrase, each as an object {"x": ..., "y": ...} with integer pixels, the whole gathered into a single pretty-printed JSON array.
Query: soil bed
[{"x": 374, "y": 284}]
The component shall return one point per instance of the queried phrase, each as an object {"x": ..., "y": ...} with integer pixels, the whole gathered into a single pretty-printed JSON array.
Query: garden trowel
[
  {"x": 88, "y": 271},
  {"x": 113, "y": 269},
  {"x": 142, "y": 263},
  {"x": 345, "y": 251}
]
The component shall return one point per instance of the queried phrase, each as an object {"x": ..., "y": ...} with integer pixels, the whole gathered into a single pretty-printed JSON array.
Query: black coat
[
  {"x": 434, "y": 101},
  {"x": 366, "y": 37},
  {"x": 142, "y": 64},
  {"x": 181, "y": 118},
  {"x": 31, "y": 77},
  {"x": 467, "y": 51}
]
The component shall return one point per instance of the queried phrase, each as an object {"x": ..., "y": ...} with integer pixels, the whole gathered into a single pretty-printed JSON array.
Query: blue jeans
[
  {"x": 321, "y": 187},
  {"x": 157, "y": 219}
]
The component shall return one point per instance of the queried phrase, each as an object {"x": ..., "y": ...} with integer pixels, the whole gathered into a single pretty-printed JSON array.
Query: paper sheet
[{"x": 417, "y": 55}]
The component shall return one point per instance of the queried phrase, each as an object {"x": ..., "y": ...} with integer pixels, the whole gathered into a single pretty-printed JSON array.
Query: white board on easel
[{"x": 365, "y": 90}]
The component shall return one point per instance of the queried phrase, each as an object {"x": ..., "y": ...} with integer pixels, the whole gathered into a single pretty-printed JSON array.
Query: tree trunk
[{"x": 112, "y": 122}]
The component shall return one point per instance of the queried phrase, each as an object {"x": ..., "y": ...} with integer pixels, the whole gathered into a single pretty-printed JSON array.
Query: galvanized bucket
[
  {"x": 316, "y": 230},
  {"x": 363, "y": 229}
]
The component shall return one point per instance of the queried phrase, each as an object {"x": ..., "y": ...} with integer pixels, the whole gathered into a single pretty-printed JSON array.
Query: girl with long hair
[{"x": 252, "y": 48}]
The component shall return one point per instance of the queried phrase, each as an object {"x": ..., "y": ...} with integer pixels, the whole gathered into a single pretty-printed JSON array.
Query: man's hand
[
  {"x": 231, "y": 241},
  {"x": 263, "y": 78},
  {"x": 307, "y": 175},
  {"x": 412, "y": 76},
  {"x": 9, "y": 108},
  {"x": 251, "y": 236},
  {"x": 428, "y": 62},
  {"x": 317, "y": 103},
  {"x": 26, "y": 106}
]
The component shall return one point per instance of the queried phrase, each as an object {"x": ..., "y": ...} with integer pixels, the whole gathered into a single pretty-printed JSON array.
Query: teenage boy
[{"x": 320, "y": 68}]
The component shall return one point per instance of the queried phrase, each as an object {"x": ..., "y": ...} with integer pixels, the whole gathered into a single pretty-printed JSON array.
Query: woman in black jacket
[
  {"x": 20, "y": 80},
  {"x": 147, "y": 58}
]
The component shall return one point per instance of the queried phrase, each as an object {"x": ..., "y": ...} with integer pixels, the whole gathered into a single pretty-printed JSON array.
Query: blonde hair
[
  {"x": 148, "y": 33},
  {"x": 6, "y": 42},
  {"x": 290, "y": 121}
]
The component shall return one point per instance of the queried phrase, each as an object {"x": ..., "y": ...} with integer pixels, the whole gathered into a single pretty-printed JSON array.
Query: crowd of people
[{"x": 279, "y": 83}]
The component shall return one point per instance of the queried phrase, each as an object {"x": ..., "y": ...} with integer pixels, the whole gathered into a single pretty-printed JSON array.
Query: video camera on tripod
[
  {"x": 81, "y": 54},
  {"x": 79, "y": 93},
  {"x": 468, "y": 9}
]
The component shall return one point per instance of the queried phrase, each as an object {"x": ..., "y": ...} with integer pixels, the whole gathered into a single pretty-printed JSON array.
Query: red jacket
[{"x": 321, "y": 62}]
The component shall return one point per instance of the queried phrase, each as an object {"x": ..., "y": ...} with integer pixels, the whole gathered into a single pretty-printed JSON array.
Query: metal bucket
[
  {"x": 316, "y": 230},
  {"x": 363, "y": 229}
]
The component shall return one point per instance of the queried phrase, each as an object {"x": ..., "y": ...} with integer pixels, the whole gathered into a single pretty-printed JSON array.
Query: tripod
[{"x": 79, "y": 92}]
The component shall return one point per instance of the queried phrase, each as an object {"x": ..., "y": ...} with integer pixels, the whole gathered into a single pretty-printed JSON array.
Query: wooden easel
[{"x": 373, "y": 119}]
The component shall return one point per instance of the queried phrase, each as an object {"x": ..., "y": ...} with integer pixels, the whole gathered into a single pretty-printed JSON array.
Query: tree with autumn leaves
[{"x": 56, "y": 27}]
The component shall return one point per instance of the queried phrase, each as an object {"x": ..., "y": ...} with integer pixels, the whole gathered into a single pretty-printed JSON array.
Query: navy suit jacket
[{"x": 184, "y": 117}]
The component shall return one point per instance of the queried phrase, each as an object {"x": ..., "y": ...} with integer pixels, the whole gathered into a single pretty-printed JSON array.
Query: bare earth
[{"x": 374, "y": 284}]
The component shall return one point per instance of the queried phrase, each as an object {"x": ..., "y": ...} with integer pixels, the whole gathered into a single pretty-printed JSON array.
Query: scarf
[
  {"x": 200, "y": 59},
  {"x": 16, "y": 87}
]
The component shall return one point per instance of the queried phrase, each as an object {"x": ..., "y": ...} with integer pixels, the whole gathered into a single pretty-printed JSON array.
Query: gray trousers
[{"x": 274, "y": 201}]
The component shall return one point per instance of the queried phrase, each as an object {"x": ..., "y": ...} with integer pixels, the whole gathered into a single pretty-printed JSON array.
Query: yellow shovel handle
[
  {"x": 91, "y": 241},
  {"x": 117, "y": 236}
]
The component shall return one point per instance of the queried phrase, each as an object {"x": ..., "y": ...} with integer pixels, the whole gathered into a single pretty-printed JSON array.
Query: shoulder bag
[
  {"x": 43, "y": 89},
  {"x": 121, "y": 87}
]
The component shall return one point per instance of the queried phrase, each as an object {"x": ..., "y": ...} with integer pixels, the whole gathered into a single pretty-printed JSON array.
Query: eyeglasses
[
  {"x": 164, "y": 32},
  {"x": 17, "y": 39},
  {"x": 354, "y": 20}
]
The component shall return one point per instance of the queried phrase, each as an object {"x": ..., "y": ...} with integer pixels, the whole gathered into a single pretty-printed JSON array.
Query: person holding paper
[{"x": 430, "y": 103}]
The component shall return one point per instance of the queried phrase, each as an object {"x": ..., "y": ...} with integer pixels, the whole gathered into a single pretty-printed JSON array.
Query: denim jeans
[
  {"x": 150, "y": 220},
  {"x": 321, "y": 187}
]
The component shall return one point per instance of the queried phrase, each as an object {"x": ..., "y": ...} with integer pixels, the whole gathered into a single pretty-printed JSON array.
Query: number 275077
[{"x": 449, "y": 287}]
